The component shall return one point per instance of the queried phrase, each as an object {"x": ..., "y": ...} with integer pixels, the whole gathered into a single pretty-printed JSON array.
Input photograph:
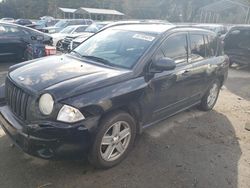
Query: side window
[
  {"x": 211, "y": 46},
  {"x": 198, "y": 48},
  {"x": 12, "y": 30},
  {"x": 175, "y": 47}
]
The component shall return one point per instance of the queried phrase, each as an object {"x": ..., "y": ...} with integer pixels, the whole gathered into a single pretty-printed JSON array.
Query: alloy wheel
[
  {"x": 115, "y": 141},
  {"x": 213, "y": 93}
]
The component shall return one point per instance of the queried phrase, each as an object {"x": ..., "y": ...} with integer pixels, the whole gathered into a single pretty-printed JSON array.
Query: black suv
[
  {"x": 97, "y": 98},
  {"x": 237, "y": 45}
]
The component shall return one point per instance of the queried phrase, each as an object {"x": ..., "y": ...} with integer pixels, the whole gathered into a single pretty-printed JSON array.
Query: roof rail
[{"x": 132, "y": 22}]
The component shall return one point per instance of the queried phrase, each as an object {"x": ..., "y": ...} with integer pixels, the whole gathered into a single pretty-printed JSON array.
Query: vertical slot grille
[{"x": 17, "y": 99}]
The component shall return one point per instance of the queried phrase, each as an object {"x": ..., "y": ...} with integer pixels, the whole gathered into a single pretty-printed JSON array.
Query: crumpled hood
[{"x": 64, "y": 76}]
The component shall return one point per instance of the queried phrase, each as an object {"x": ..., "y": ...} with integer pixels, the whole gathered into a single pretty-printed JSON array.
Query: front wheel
[
  {"x": 210, "y": 98},
  {"x": 113, "y": 140}
]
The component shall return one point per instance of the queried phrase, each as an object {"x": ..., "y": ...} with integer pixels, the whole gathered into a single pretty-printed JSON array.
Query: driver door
[{"x": 172, "y": 88}]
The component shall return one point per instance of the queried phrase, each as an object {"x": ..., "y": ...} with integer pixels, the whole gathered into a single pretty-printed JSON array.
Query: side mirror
[{"x": 164, "y": 64}]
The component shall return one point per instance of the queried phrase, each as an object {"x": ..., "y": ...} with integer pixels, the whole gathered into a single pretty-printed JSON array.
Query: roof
[
  {"x": 241, "y": 27},
  {"x": 99, "y": 11},
  {"x": 68, "y": 10},
  {"x": 76, "y": 26},
  {"x": 149, "y": 28}
]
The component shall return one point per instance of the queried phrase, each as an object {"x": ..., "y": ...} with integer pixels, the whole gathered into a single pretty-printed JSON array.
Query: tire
[
  {"x": 209, "y": 100},
  {"x": 110, "y": 152}
]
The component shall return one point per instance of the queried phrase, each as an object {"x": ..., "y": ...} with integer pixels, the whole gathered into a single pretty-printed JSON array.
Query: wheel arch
[{"x": 133, "y": 109}]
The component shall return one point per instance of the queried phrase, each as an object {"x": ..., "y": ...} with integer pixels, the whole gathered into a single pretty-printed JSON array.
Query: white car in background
[
  {"x": 69, "y": 43},
  {"x": 74, "y": 30}
]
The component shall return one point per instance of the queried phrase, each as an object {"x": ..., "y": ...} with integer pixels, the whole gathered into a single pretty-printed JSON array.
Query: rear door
[{"x": 203, "y": 48}]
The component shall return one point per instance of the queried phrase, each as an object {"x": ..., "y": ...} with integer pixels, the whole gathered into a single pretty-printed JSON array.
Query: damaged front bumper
[{"x": 45, "y": 140}]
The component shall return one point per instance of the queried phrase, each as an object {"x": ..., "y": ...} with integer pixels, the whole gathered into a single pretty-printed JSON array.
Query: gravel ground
[{"x": 191, "y": 149}]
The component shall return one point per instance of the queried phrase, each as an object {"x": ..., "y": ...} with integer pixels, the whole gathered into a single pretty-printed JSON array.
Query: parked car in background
[
  {"x": 40, "y": 24},
  {"x": 98, "y": 98},
  {"x": 71, "y": 42},
  {"x": 15, "y": 38},
  {"x": 65, "y": 23},
  {"x": 74, "y": 30},
  {"x": 23, "y": 22},
  {"x": 217, "y": 28},
  {"x": 48, "y": 18},
  {"x": 10, "y": 20},
  {"x": 237, "y": 45}
]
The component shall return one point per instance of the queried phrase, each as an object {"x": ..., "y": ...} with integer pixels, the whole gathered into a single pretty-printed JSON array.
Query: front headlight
[
  {"x": 46, "y": 104},
  {"x": 69, "y": 114}
]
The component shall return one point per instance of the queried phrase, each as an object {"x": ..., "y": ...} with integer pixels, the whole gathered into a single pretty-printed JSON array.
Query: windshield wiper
[
  {"x": 98, "y": 59},
  {"x": 77, "y": 53}
]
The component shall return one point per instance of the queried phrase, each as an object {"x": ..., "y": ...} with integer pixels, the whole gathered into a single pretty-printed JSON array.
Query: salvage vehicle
[
  {"x": 74, "y": 30},
  {"x": 98, "y": 98},
  {"x": 71, "y": 42},
  {"x": 237, "y": 45},
  {"x": 65, "y": 23},
  {"x": 14, "y": 40}
]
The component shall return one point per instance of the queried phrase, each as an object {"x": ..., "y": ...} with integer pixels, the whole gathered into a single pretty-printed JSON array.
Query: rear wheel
[
  {"x": 210, "y": 98},
  {"x": 113, "y": 140}
]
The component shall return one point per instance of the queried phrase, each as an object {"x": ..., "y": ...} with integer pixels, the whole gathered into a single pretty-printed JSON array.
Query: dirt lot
[{"x": 192, "y": 149}]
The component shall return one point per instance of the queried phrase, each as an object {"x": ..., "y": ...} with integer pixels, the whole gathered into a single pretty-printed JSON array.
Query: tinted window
[
  {"x": 175, "y": 48},
  {"x": 10, "y": 30},
  {"x": 197, "y": 45}
]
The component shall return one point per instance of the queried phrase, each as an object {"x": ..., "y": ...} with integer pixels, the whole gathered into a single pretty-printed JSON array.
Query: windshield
[
  {"x": 67, "y": 30},
  {"x": 93, "y": 28},
  {"x": 61, "y": 24},
  {"x": 116, "y": 48}
]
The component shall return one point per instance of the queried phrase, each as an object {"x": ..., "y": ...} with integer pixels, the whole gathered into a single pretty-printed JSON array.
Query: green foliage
[{"x": 143, "y": 9}]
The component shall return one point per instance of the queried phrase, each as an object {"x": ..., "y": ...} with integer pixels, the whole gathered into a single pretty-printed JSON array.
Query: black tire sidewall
[{"x": 95, "y": 155}]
